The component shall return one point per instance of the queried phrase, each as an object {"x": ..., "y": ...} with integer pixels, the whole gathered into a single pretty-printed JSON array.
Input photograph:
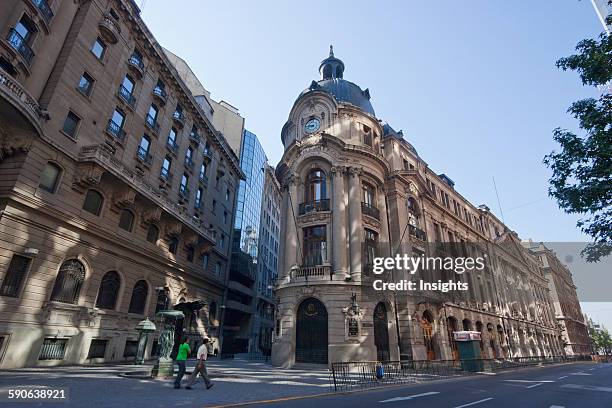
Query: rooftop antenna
[{"x": 498, "y": 202}]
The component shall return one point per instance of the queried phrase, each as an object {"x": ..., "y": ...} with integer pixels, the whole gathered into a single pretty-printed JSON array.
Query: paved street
[{"x": 583, "y": 385}]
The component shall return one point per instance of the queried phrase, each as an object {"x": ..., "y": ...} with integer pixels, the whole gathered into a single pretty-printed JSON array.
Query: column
[
  {"x": 284, "y": 210},
  {"x": 384, "y": 227},
  {"x": 290, "y": 238},
  {"x": 339, "y": 242},
  {"x": 354, "y": 200}
]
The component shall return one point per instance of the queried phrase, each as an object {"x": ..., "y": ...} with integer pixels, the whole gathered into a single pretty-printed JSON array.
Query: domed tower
[{"x": 335, "y": 219}]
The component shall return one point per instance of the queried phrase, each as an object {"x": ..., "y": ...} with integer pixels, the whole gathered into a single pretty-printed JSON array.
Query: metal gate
[
  {"x": 311, "y": 332},
  {"x": 381, "y": 332}
]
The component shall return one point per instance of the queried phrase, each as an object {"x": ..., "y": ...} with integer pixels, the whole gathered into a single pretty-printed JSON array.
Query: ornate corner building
[
  {"x": 117, "y": 192},
  {"x": 353, "y": 187}
]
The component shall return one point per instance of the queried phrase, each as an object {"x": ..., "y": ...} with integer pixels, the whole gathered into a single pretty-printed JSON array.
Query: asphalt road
[{"x": 583, "y": 385}]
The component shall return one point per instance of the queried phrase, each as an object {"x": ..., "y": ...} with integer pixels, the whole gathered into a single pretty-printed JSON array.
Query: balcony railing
[
  {"x": 44, "y": 9},
  {"x": 316, "y": 271},
  {"x": 144, "y": 156},
  {"x": 151, "y": 122},
  {"x": 115, "y": 130},
  {"x": 172, "y": 146},
  {"x": 189, "y": 163},
  {"x": 370, "y": 210},
  {"x": 136, "y": 63},
  {"x": 207, "y": 155},
  {"x": 314, "y": 206},
  {"x": 160, "y": 93},
  {"x": 203, "y": 178},
  {"x": 19, "y": 43},
  {"x": 127, "y": 96},
  {"x": 184, "y": 191},
  {"x": 179, "y": 118},
  {"x": 417, "y": 233},
  {"x": 194, "y": 137}
]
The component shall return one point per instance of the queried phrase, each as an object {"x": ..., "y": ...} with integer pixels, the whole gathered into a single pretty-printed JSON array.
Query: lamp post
[{"x": 144, "y": 328}]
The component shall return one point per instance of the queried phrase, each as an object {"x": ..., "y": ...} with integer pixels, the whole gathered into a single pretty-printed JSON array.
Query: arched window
[
  {"x": 126, "y": 220},
  {"x": 467, "y": 324},
  {"x": 173, "y": 245},
  {"x": 316, "y": 186},
  {"x": 368, "y": 194},
  {"x": 327, "y": 71},
  {"x": 93, "y": 202},
  {"x": 339, "y": 71},
  {"x": 139, "y": 297},
  {"x": 109, "y": 289},
  {"x": 50, "y": 177},
  {"x": 153, "y": 233},
  {"x": 68, "y": 282},
  {"x": 162, "y": 300}
]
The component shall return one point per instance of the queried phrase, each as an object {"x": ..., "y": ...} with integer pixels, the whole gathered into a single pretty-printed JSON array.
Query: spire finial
[{"x": 331, "y": 50}]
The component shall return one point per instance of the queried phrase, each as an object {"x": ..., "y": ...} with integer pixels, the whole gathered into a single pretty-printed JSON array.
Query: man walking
[
  {"x": 181, "y": 358},
  {"x": 200, "y": 367}
]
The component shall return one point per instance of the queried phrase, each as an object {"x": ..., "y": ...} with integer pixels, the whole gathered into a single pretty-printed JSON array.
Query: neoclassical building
[
  {"x": 354, "y": 188},
  {"x": 116, "y": 190}
]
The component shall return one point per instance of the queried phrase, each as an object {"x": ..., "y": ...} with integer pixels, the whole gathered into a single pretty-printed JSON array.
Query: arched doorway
[
  {"x": 311, "y": 332},
  {"x": 381, "y": 332},
  {"x": 452, "y": 327},
  {"x": 428, "y": 334}
]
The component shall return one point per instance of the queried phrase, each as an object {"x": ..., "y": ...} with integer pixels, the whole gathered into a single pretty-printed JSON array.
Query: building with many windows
[
  {"x": 117, "y": 191},
  {"x": 353, "y": 188}
]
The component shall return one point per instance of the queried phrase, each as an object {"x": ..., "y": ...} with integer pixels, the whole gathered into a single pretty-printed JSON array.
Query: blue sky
[{"x": 473, "y": 85}]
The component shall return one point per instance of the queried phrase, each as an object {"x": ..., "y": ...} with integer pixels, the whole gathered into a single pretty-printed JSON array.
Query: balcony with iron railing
[
  {"x": 207, "y": 155},
  {"x": 160, "y": 94},
  {"x": 135, "y": 64},
  {"x": 172, "y": 146},
  {"x": 109, "y": 28},
  {"x": 203, "y": 179},
  {"x": 417, "y": 232},
  {"x": 189, "y": 163},
  {"x": 179, "y": 118},
  {"x": 314, "y": 206},
  {"x": 115, "y": 130},
  {"x": 144, "y": 156},
  {"x": 44, "y": 9},
  {"x": 20, "y": 45},
  {"x": 369, "y": 210},
  {"x": 152, "y": 124},
  {"x": 194, "y": 137},
  {"x": 126, "y": 96},
  {"x": 165, "y": 175},
  {"x": 184, "y": 192}
]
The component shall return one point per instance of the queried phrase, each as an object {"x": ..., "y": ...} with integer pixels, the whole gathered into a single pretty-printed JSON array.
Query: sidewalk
[{"x": 102, "y": 386}]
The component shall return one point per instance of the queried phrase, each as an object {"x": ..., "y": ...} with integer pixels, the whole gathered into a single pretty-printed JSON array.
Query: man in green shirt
[{"x": 181, "y": 358}]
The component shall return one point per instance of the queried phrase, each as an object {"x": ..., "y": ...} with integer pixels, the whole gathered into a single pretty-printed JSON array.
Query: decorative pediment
[{"x": 86, "y": 175}]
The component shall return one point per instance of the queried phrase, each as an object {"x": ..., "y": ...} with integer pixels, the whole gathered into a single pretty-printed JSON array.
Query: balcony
[
  {"x": 315, "y": 272},
  {"x": 44, "y": 9},
  {"x": 417, "y": 233},
  {"x": 109, "y": 29},
  {"x": 20, "y": 45},
  {"x": 194, "y": 137},
  {"x": 189, "y": 164},
  {"x": 144, "y": 156},
  {"x": 370, "y": 210},
  {"x": 314, "y": 206},
  {"x": 184, "y": 193},
  {"x": 116, "y": 131},
  {"x": 136, "y": 65},
  {"x": 126, "y": 96},
  {"x": 159, "y": 93},
  {"x": 165, "y": 176},
  {"x": 179, "y": 118},
  {"x": 198, "y": 206},
  {"x": 172, "y": 146},
  {"x": 152, "y": 124},
  {"x": 207, "y": 155},
  {"x": 203, "y": 179}
]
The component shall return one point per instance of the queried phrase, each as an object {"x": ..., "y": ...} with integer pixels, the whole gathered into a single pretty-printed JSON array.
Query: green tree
[{"x": 582, "y": 171}]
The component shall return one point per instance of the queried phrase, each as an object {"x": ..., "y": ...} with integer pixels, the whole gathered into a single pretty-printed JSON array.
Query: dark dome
[{"x": 344, "y": 91}]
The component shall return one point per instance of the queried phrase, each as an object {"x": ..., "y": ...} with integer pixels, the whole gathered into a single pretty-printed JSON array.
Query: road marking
[
  {"x": 587, "y": 387},
  {"x": 535, "y": 385},
  {"x": 531, "y": 381},
  {"x": 565, "y": 376},
  {"x": 411, "y": 397},
  {"x": 557, "y": 406},
  {"x": 580, "y": 373},
  {"x": 474, "y": 403}
]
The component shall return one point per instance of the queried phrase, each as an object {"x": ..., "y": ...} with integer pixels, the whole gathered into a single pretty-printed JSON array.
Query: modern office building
[
  {"x": 117, "y": 191},
  {"x": 566, "y": 304},
  {"x": 354, "y": 188}
]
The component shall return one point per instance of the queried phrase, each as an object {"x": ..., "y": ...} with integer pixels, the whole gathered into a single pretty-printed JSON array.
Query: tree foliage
[{"x": 582, "y": 170}]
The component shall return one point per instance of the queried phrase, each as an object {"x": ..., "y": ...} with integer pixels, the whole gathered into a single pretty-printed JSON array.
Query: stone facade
[
  {"x": 352, "y": 186},
  {"x": 97, "y": 229},
  {"x": 566, "y": 305}
]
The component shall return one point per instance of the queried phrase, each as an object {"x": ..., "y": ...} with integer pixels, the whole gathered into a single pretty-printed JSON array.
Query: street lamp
[{"x": 144, "y": 328}]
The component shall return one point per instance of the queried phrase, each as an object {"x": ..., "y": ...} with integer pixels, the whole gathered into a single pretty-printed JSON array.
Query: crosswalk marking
[
  {"x": 474, "y": 403},
  {"x": 411, "y": 396},
  {"x": 587, "y": 387}
]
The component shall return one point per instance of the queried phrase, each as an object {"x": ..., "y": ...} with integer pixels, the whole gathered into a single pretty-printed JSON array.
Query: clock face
[{"x": 312, "y": 125}]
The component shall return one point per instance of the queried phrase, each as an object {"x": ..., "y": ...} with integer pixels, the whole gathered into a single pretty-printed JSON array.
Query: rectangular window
[
  {"x": 53, "y": 349},
  {"x": 152, "y": 115},
  {"x": 172, "y": 137},
  {"x": 15, "y": 276},
  {"x": 165, "y": 169},
  {"x": 143, "y": 147},
  {"x": 227, "y": 195},
  {"x": 97, "y": 348},
  {"x": 71, "y": 124},
  {"x": 131, "y": 347},
  {"x": 128, "y": 84},
  {"x": 218, "y": 269},
  {"x": 198, "y": 199},
  {"x": 205, "y": 262},
  {"x": 203, "y": 171},
  {"x": 85, "y": 84},
  {"x": 118, "y": 118},
  {"x": 99, "y": 48}
]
